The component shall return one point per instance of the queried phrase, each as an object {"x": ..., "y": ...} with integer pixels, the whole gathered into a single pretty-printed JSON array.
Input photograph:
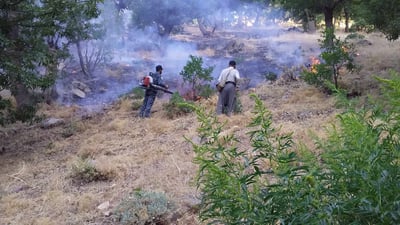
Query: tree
[
  {"x": 194, "y": 74},
  {"x": 168, "y": 15},
  {"x": 34, "y": 36},
  {"x": 80, "y": 28},
  {"x": 165, "y": 15},
  {"x": 383, "y": 14},
  {"x": 336, "y": 54},
  {"x": 306, "y": 10}
]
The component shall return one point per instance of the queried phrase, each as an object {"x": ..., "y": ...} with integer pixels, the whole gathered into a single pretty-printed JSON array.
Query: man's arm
[
  {"x": 162, "y": 84},
  {"x": 237, "y": 75}
]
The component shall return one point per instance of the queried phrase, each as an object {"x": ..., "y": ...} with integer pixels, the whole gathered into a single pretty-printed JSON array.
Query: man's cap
[
  {"x": 159, "y": 67},
  {"x": 232, "y": 63}
]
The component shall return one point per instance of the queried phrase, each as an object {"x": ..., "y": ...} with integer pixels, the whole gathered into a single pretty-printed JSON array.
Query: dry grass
[
  {"x": 376, "y": 59},
  {"x": 149, "y": 154}
]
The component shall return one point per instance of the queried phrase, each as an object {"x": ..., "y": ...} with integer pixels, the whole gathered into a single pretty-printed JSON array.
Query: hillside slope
[{"x": 38, "y": 183}]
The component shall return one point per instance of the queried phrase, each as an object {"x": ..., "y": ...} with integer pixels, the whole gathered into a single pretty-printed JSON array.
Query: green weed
[{"x": 353, "y": 181}]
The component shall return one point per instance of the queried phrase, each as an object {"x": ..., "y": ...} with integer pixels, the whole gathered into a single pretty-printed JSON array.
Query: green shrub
[
  {"x": 144, "y": 208},
  {"x": 322, "y": 78},
  {"x": 174, "y": 108},
  {"x": 5, "y": 112},
  {"x": 336, "y": 54},
  {"x": 26, "y": 113},
  {"x": 83, "y": 170},
  {"x": 195, "y": 75},
  {"x": 72, "y": 127},
  {"x": 206, "y": 91},
  {"x": 354, "y": 36},
  {"x": 353, "y": 181},
  {"x": 138, "y": 93},
  {"x": 68, "y": 131},
  {"x": 362, "y": 25},
  {"x": 362, "y": 156},
  {"x": 238, "y": 106},
  {"x": 391, "y": 94},
  {"x": 230, "y": 179},
  {"x": 137, "y": 104},
  {"x": 271, "y": 76}
]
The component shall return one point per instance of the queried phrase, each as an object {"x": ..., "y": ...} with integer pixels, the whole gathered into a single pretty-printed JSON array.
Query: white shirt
[{"x": 230, "y": 74}]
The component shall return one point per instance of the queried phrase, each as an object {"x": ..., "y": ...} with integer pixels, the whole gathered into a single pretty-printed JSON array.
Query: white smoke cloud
[{"x": 144, "y": 49}]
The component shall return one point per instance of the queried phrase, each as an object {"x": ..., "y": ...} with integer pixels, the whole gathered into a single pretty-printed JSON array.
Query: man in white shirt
[{"x": 226, "y": 97}]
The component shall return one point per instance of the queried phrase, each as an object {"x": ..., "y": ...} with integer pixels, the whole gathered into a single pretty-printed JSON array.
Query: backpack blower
[{"x": 147, "y": 82}]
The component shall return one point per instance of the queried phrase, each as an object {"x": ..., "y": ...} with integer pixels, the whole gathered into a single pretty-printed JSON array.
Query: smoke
[{"x": 238, "y": 27}]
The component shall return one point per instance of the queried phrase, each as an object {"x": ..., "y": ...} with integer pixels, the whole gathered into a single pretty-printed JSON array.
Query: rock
[
  {"x": 77, "y": 92},
  {"x": 6, "y": 94},
  {"x": 79, "y": 85},
  {"x": 51, "y": 122},
  {"x": 234, "y": 47},
  {"x": 191, "y": 202},
  {"x": 107, "y": 213},
  {"x": 80, "y": 89},
  {"x": 20, "y": 188},
  {"x": 364, "y": 42},
  {"x": 104, "y": 206},
  {"x": 294, "y": 29}
]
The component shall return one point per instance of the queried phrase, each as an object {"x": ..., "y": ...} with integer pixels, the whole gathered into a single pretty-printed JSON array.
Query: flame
[
  {"x": 314, "y": 61},
  {"x": 345, "y": 49}
]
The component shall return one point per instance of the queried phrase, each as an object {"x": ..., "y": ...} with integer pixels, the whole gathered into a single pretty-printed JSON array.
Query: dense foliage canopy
[
  {"x": 381, "y": 14},
  {"x": 34, "y": 36}
]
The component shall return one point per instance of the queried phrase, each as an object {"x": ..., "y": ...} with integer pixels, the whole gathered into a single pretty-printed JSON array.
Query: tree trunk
[
  {"x": 347, "y": 18},
  {"x": 335, "y": 76},
  {"x": 203, "y": 28},
  {"x": 22, "y": 96},
  {"x": 257, "y": 21},
  {"x": 81, "y": 60},
  {"x": 328, "y": 13},
  {"x": 309, "y": 26}
]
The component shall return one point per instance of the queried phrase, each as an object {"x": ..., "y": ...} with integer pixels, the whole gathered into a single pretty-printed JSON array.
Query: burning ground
[
  {"x": 257, "y": 51},
  {"x": 38, "y": 182}
]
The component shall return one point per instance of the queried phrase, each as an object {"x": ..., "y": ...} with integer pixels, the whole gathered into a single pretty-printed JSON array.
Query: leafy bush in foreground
[{"x": 354, "y": 181}]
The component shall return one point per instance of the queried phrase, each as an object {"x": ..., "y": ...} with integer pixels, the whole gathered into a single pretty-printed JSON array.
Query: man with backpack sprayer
[{"x": 152, "y": 83}]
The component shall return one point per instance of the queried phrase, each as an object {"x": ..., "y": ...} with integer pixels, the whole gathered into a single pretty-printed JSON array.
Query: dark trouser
[
  {"x": 148, "y": 102},
  {"x": 226, "y": 99}
]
